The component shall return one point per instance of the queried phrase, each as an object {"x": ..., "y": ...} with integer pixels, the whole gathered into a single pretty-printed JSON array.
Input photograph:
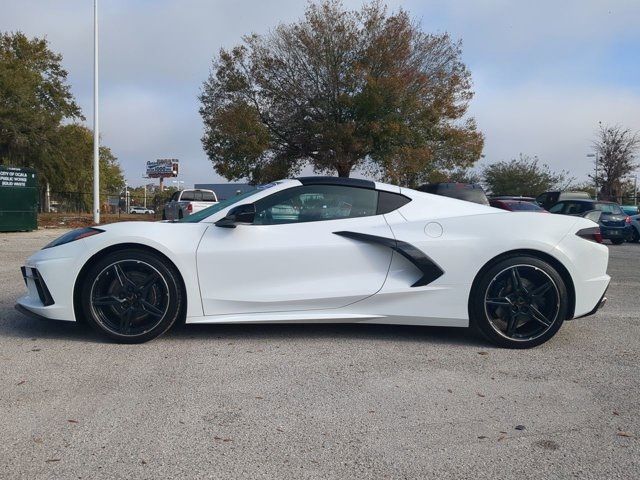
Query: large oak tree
[{"x": 340, "y": 90}]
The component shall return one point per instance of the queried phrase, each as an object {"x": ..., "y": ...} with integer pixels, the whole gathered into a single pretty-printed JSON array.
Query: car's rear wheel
[
  {"x": 519, "y": 302},
  {"x": 617, "y": 241},
  {"x": 164, "y": 214},
  {"x": 635, "y": 237},
  {"x": 132, "y": 296}
]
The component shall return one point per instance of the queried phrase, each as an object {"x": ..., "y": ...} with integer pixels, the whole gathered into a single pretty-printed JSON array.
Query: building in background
[{"x": 225, "y": 190}]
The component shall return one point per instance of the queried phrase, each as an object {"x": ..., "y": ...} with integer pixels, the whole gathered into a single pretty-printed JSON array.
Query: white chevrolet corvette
[{"x": 326, "y": 249}]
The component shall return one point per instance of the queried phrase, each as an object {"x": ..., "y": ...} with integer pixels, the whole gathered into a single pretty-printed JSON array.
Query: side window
[
  {"x": 174, "y": 197},
  {"x": 389, "y": 201},
  {"x": 314, "y": 203},
  {"x": 542, "y": 199},
  {"x": 187, "y": 196},
  {"x": 573, "y": 208},
  {"x": 557, "y": 208}
]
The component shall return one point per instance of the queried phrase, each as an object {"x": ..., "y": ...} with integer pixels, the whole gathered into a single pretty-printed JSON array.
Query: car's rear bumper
[
  {"x": 598, "y": 306},
  {"x": 610, "y": 233}
]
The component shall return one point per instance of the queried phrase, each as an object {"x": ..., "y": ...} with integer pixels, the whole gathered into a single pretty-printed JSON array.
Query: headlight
[{"x": 73, "y": 235}]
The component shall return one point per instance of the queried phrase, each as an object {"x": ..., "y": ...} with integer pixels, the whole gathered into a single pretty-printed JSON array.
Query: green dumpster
[{"x": 18, "y": 199}]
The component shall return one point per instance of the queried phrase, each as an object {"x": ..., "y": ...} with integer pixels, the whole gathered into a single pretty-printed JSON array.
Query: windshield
[
  {"x": 202, "y": 214},
  {"x": 524, "y": 206},
  {"x": 608, "y": 207}
]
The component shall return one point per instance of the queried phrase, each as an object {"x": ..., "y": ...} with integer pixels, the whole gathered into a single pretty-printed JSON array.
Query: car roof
[{"x": 344, "y": 181}]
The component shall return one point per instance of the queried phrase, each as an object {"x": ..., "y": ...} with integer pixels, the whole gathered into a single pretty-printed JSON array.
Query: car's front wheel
[
  {"x": 132, "y": 296},
  {"x": 519, "y": 302}
]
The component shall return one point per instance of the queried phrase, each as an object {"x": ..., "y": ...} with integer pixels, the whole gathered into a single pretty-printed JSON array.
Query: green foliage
[
  {"x": 523, "y": 176},
  {"x": 34, "y": 99},
  {"x": 36, "y": 105},
  {"x": 340, "y": 90}
]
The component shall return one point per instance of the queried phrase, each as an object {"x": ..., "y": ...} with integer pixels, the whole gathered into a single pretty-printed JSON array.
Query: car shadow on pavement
[
  {"x": 351, "y": 331},
  {"x": 14, "y": 324}
]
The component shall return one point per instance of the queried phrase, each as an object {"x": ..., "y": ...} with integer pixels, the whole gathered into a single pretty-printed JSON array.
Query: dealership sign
[{"x": 163, "y": 168}]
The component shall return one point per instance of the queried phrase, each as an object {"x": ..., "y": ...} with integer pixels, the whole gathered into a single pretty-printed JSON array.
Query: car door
[{"x": 291, "y": 258}]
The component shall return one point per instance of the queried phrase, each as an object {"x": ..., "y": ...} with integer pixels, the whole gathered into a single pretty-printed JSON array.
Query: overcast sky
[{"x": 545, "y": 72}]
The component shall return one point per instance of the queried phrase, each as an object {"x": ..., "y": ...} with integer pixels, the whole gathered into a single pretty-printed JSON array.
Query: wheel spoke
[
  {"x": 125, "y": 320},
  {"x": 538, "y": 316},
  {"x": 542, "y": 289},
  {"x": 108, "y": 301},
  {"x": 122, "y": 277},
  {"x": 512, "y": 324},
  {"x": 151, "y": 309},
  {"x": 516, "y": 281},
  {"x": 499, "y": 301},
  {"x": 148, "y": 283}
]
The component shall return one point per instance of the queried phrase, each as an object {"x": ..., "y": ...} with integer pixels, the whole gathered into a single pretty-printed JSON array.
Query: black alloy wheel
[
  {"x": 132, "y": 296},
  {"x": 520, "y": 302}
]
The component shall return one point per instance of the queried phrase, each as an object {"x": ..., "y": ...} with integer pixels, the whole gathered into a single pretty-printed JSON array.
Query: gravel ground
[{"x": 325, "y": 401}]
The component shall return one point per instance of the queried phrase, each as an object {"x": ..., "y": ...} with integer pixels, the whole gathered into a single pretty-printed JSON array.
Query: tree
[
  {"x": 340, "y": 90},
  {"x": 523, "y": 176},
  {"x": 616, "y": 148},
  {"x": 34, "y": 100}
]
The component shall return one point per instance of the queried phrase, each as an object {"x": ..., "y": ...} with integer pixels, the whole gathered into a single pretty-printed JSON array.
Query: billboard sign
[{"x": 162, "y": 168}]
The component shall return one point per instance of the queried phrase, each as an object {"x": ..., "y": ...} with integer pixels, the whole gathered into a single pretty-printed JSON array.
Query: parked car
[
  {"x": 630, "y": 209},
  {"x": 349, "y": 250},
  {"x": 513, "y": 197},
  {"x": 516, "y": 205},
  {"x": 635, "y": 225},
  {"x": 185, "y": 202},
  {"x": 548, "y": 199},
  {"x": 471, "y": 192},
  {"x": 615, "y": 225},
  {"x": 141, "y": 210}
]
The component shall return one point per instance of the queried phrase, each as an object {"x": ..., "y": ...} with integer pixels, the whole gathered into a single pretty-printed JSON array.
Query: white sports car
[{"x": 326, "y": 249}]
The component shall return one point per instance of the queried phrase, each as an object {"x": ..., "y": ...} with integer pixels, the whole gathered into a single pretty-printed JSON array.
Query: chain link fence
[{"x": 110, "y": 203}]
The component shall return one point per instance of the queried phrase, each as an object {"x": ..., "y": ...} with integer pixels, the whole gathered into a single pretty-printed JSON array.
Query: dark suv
[
  {"x": 471, "y": 192},
  {"x": 548, "y": 199},
  {"x": 615, "y": 225}
]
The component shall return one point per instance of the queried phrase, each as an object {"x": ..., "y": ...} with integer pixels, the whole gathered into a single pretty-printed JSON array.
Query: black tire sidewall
[
  {"x": 168, "y": 272},
  {"x": 477, "y": 313},
  {"x": 617, "y": 241}
]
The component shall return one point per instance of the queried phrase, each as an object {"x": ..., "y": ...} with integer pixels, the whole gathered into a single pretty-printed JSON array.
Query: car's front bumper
[{"x": 50, "y": 277}]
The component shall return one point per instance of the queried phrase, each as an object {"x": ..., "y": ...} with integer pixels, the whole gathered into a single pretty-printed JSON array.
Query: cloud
[{"x": 557, "y": 124}]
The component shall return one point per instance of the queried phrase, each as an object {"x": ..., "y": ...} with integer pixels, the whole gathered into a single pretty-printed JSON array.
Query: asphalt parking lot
[{"x": 318, "y": 401}]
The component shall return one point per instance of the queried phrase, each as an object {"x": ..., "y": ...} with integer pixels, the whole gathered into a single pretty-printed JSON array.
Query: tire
[
  {"x": 635, "y": 237},
  {"x": 132, "y": 296},
  {"x": 508, "y": 308},
  {"x": 180, "y": 215},
  {"x": 164, "y": 214},
  {"x": 617, "y": 241}
]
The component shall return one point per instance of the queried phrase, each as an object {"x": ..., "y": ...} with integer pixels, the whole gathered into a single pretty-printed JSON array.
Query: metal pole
[
  {"x": 145, "y": 195},
  {"x": 96, "y": 131}
]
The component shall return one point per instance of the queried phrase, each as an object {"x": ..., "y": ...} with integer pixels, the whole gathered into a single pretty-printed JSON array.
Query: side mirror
[{"x": 240, "y": 214}]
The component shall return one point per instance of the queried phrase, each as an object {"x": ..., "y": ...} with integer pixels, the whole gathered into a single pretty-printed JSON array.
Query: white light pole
[{"x": 96, "y": 132}]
